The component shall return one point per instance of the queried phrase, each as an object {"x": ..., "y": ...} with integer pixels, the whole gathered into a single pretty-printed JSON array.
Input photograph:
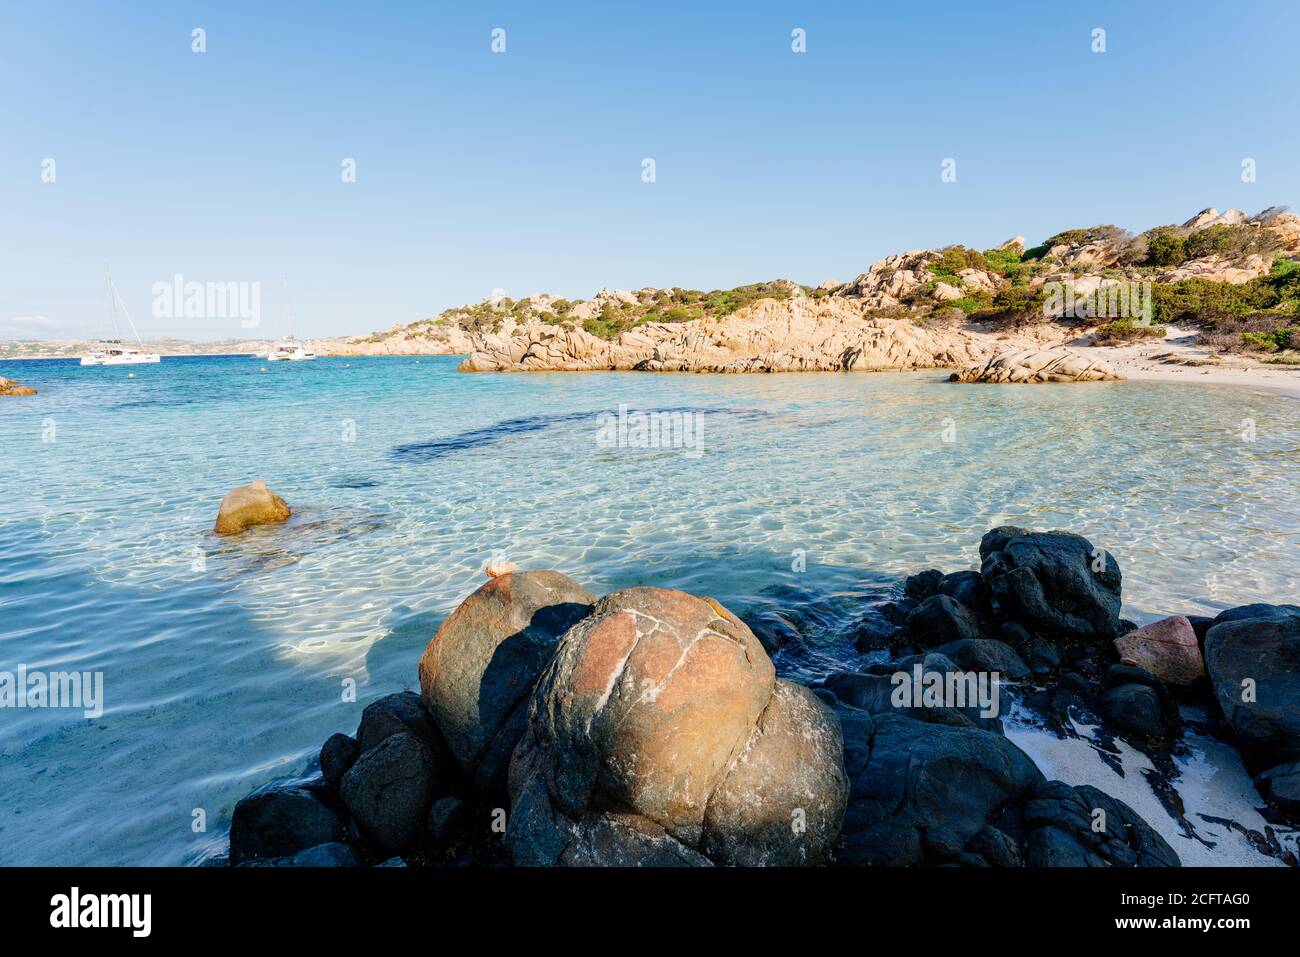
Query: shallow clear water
[{"x": 224, "y": 659}]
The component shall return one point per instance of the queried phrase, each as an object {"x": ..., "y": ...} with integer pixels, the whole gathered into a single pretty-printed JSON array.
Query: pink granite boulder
[{"x": 1166, "y": 648}]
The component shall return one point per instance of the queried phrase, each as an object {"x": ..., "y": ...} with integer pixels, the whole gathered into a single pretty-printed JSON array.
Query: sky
[{"x": 523, "y": 170}]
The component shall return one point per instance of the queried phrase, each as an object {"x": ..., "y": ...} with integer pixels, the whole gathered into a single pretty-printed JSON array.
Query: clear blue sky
[{"x": 522, "y": 170}]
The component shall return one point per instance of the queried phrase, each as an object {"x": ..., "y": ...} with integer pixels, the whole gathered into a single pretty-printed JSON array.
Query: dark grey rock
[
  {"x": 389, "y": 790},
  {"x": 336, "y": 756},
  {"x": 1137, "y": 712},
  {"x": 391, "y": 714},
  {"x": 280, "y": 823},
  {"x": 916, "y": 778},
  {"x": 1045, "y": 582},
  {"x": 1073, "y": 681},
  {"x": 1281, "y": 785},
  {"x": 1254, "y": 668},
  {"x": 873, "y": 691},
  {"x": 772, "y": 629},
  {"x": 896, "y": 612},
  {"x": 967, "y": 588},
  {"x": 996, "y": 847},
  {"x": 986, "y": 655},
  {"x": 1085, "y": 827},
  {"x": 446, "y": 818},
  {"x": 1041, "y": 656},
  {"x": 334, "y": 854},
  {"x": 923, "y": 585},
  {"x": 1122, "y": 674},
  {"x": 873, "y": 632},
  {"x": 940, "y": 620}
]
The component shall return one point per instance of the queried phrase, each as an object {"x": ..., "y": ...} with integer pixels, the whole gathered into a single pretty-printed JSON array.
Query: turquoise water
[{"x": 224, "y": 660}]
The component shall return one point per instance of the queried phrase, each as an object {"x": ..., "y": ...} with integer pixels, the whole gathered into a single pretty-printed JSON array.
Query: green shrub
[
  {"x": 1165, "y": 246},
  {"x": 1231, "y": 242},
  {"x": 1126, "y": 330},
  {"x": 1191, "y": 300},
  {"x": 1254, "y": 332}
]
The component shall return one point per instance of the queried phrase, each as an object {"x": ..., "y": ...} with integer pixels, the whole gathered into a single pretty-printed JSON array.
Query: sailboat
[
  {"x": 115, "y": 352},
  {"x": 289, "y": 349}
]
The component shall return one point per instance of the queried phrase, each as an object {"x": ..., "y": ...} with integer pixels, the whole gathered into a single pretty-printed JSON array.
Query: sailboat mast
[
  {"x": 131, "y": 322},
  {"x": 112, "y": 304}
]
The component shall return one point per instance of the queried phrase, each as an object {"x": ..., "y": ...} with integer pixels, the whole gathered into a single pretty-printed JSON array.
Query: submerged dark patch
[
  {"x": 354, "y": 482},
  {"x": 507, "y": 428}
]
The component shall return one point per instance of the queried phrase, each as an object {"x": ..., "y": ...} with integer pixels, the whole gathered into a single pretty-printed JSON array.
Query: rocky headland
[
  {"x": 1233, "y": 278},
  {"x": 651, "y": 727}
]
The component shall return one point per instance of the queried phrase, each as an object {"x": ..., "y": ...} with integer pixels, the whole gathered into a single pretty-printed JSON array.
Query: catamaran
[
  {"x": 115, "y": 352},
  {"x": 289, "y": 349}
]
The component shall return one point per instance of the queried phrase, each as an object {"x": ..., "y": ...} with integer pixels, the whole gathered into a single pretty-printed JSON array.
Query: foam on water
[{"x": 224, "y": 659}]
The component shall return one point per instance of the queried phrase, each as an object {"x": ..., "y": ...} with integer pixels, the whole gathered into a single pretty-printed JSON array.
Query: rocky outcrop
[
  {"x": 666, "y": 706},
  {"x": 10, "y": 387},
  {"x": 794, "y": 335},
  {"x": 649, "y": 728},
  {"x": 249, "y": 505},
  {"x": 480, "y": 667},
  {"x": 1036, "y": 365},
  {"x": 1218, "y": 269}
]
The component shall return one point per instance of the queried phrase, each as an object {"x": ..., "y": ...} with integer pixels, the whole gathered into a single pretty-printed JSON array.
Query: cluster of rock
[
  {"x": 10, "y": 387},
  {"x": 1045, "y": 606},
  {"x": 1036, "y": 365},
  {"x": 649, "y": 727},
  {"x": 831, "y": 334},
  {"x": 644, "y": 728}
]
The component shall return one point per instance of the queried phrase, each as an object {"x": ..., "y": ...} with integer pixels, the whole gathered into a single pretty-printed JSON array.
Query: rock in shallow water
[
  {"x": 280, "y": 823},
  {"x": 986, "y": 655},
  {"x": 939, "y": 620},
  {"x": 249, "y": 505},
  {"x": 12, "y": 388}
]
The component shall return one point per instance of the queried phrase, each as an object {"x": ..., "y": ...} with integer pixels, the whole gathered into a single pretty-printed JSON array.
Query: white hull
[
  {"x": 290, "y": 355},
  {"x": 134, "y": 359}
]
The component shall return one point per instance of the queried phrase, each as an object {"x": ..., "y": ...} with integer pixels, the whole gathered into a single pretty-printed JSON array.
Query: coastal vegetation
[{"x": 1233, "y": 278}]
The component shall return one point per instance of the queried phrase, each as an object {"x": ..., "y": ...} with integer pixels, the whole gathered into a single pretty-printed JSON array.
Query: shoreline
[{"x": 1147, "y": 362}]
